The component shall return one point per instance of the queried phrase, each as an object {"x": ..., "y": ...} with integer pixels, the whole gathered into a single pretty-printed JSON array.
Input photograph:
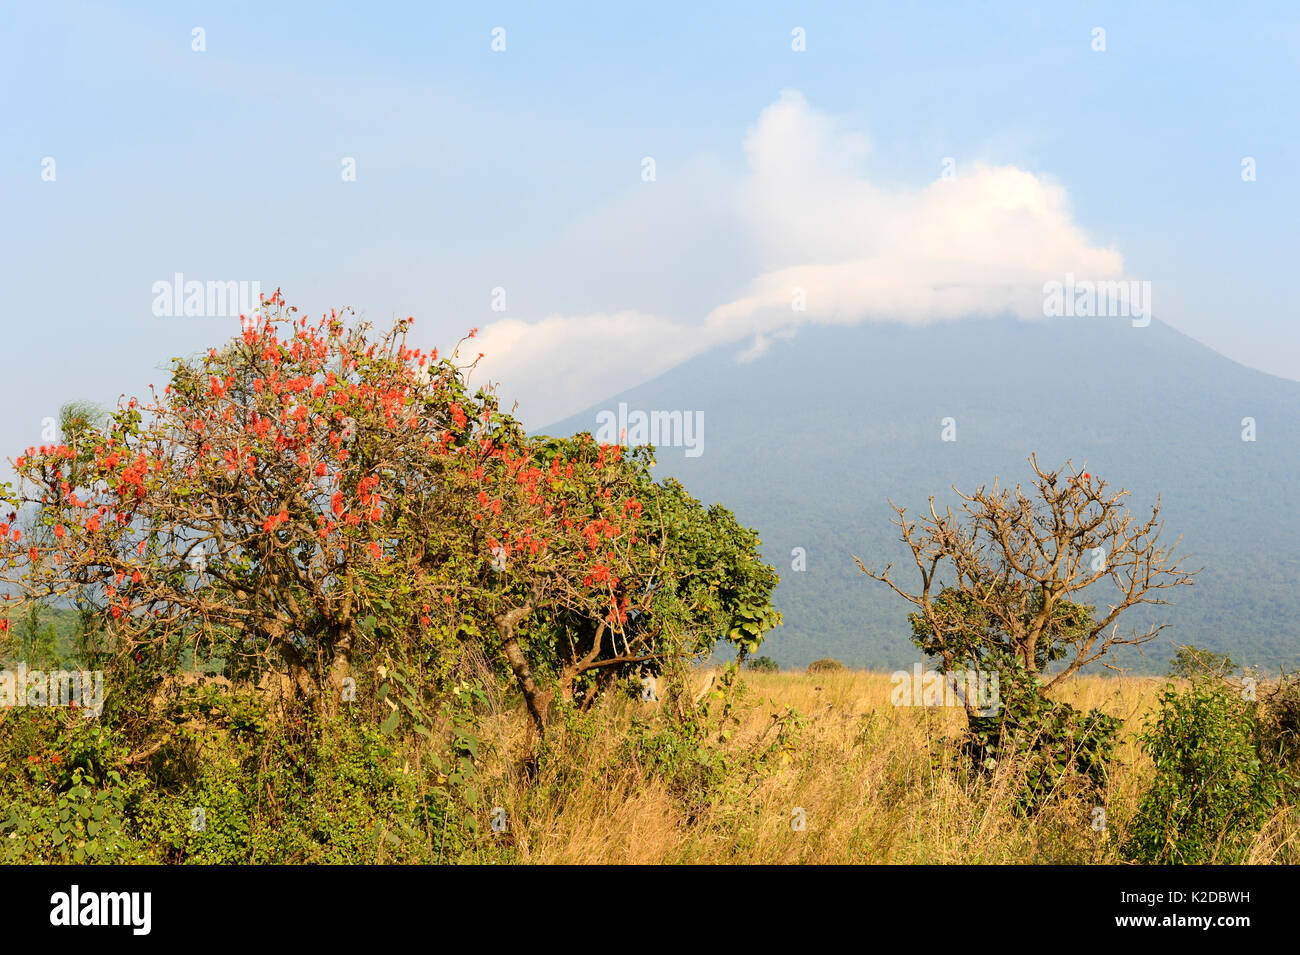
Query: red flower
[{"x": 59, "y": 531}]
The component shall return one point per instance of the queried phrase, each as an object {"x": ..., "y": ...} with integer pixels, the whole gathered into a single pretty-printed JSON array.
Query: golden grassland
[{"x": 869, "y": 778}]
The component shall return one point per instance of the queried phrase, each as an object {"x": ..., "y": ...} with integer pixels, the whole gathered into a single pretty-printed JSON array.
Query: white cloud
[
  {"x": 562, "y": 364},
  {"x": 981, "y": 243}
]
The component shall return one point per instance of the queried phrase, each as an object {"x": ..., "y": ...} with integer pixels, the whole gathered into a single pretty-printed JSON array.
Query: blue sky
[{"x": 522, "y": 169}]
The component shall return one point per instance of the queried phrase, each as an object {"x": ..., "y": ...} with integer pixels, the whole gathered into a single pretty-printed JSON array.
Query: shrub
[
  {"x": 1196, "y": 662},
  {"x": 762, "y": 664},
  {"x": 1059, "y": 747},
  {"x": 1212, "y": 792},
  {"x": 1277, "y": 723},
  {"x": 67, "y": 802},
  {"x": 825, "y": 665},
  {"x": 227, "y": 788}
]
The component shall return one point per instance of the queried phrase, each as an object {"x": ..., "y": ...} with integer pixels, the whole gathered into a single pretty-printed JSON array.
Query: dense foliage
[
  {"x": 331, "y": 503},
  {"x": 307, "y": 570},
  {"x": 1213, "y": 789}
]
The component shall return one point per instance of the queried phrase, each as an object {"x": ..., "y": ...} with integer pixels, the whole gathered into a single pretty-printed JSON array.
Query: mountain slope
[{"x": 809, "y": 441}]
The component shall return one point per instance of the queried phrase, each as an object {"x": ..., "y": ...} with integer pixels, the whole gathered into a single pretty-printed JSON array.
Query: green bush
[
  {"x": 678, "y": 753},
  {"x": 762, "y": 664},
  {"x": 234, "y": 788},
  {"x": 1196, "y": 662},
  {"x": 825, "y": 665},
  {"x": 1059, "y": 747},
  {"x": 64, "y": 798},
  {"x": 1212, "y": 792},
  {"x": 1277, "y": 725}
]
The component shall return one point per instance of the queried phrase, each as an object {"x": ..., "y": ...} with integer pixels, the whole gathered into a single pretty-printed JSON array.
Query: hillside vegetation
[
  {"x": 319, "y": 602},
  {"x": 623, "y": 783},
  {"x": 811, "y": 441}
]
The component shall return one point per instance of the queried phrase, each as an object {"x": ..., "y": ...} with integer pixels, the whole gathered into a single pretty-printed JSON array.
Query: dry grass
[{"x": 867, "y": 776}]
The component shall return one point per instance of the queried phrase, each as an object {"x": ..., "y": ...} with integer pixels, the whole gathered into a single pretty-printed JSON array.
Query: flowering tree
[{"x": 308, "y": 494}]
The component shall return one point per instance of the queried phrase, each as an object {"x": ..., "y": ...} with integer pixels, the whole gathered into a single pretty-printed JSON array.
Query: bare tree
[{"x": 1020, "y": 563}]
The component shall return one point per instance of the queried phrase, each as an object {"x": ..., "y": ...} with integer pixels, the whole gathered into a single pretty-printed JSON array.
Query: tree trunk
[
  {"x": 340, "y": 669},
  {"x": 298, "y": 671},
  {"x": 537, "y": 699}
]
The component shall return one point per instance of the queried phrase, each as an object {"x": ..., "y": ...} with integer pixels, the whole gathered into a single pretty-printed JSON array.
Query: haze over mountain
[{"x": 810, "y": 440}]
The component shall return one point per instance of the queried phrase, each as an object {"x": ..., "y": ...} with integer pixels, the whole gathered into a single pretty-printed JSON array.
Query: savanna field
[
  {"x": 777, "y": 768},
  {"x": 869, "y": 776}
]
